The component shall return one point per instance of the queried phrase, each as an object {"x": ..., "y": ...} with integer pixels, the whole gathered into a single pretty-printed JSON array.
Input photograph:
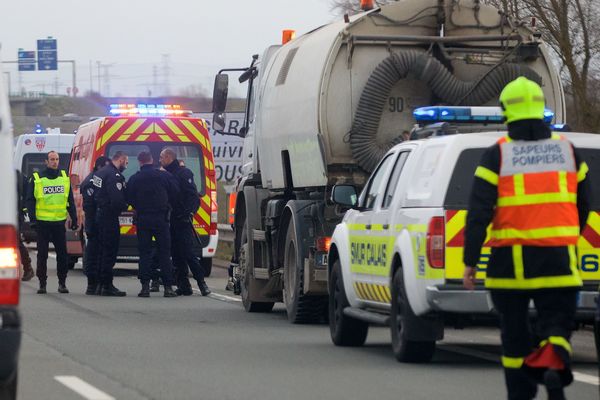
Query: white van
[
  {"x": 31, "y": 150},
  {"x": 10, "y": 321}
]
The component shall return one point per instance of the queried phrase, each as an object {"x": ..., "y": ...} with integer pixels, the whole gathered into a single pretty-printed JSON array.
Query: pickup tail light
[
  {"x": 436, "y": 242},
  {"x": 214, "y": 213},
  {"x": 9, "y": 266}
]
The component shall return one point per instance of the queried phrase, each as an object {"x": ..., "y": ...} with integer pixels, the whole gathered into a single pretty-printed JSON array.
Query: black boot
[
  {"x": 169, "y": 292},
  {"x": 145, "y": 292},
  {"x": 554, "y": 385},
  {"x": 62, "y": 288},
  {"x": 155, "y": 286},
  {"x": 92, "y": 287},
  {"x": 42, "y": 289},
  {"x": 111, "y": 290},
  {"x": 203, "y": 288}
]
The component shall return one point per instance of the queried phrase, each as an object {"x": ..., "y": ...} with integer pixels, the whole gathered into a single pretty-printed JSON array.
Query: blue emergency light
[
  {"x": 434, "y": 114},
  {"x": 148, "y": 110}
]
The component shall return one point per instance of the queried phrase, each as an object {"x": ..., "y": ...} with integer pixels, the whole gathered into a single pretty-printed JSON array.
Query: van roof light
[
  {"x": 148, "y": 110},
  {"x": 466, "y": 114}
]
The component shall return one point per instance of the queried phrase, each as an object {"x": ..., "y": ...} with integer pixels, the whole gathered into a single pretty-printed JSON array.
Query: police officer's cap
[{"x": 522, "y": 99}]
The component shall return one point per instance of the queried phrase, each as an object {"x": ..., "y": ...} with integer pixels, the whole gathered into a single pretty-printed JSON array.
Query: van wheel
[
  {"x": 9, "y": 390},
  {"x": 207, "y": 265},
  {"x": 245, "y": 284},
  {"x": 345, "y": 331},
  {"x": 301, "y": 308},
  {"x": 405, "y": 350}
]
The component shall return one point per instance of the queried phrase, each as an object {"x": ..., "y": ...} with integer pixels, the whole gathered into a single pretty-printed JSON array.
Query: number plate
[
  {"x": 125, "y": 220},
  {"x": 322, "y": 259}
]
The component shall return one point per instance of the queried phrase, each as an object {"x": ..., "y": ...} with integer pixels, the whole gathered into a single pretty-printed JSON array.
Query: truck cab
[{"x": 396, "y": 257}]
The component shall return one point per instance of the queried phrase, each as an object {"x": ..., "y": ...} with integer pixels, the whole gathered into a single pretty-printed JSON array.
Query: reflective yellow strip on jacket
[
  {"x": 487, "y": 175},
  {"x": 583, "y": 170},
  {"x": 533, "y": 199},
  {"x": 512, "y": 362},
  {"x": 540, "y": 233},
  {"x": 558, "y": 341}
]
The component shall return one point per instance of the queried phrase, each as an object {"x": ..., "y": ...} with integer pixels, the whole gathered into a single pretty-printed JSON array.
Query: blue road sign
[
  {"x": 47, "y": 55},
  {"x": 27, "y": 66},
  {"x": 26, "y": 60},
  {"x": 24, "y": 55}
]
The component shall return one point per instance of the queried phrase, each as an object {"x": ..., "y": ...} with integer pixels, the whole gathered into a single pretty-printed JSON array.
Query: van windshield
[
  {"x": 190, "y": 154},
  {"x": 35, "y": 162},
  {"x": 459, "y": 190}
]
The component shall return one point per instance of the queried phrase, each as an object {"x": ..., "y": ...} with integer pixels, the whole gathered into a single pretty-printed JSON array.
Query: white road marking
[
  {"x": 578, "y": 376},
  {"x": 223, "y": 297},
  {"x": 83, "y": 388}
]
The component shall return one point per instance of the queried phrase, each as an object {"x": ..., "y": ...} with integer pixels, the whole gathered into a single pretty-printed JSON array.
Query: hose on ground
[{"x": 366, "y": 150}]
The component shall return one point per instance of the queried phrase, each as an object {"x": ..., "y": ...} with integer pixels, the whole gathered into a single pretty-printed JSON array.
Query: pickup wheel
[
  {"x": 245, "y": 277},
  {"x": 9, "y": 390},
  {"x": 345, "y": 331},
  {"x": 301, "y": 308},
  {"x": 405, "y": 350}
]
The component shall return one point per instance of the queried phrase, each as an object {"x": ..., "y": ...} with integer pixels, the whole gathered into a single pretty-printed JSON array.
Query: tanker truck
[{"x": 323, "y": 108}]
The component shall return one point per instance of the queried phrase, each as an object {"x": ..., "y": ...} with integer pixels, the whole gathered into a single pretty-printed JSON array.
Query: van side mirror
[
  {"x": 220, "y": 91},
  {"x": 218, "y": 122},
  {"x": 344, "y": 195}
]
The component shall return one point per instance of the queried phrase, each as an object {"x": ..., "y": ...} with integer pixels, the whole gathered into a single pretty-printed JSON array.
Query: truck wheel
[
  {"x": 9, "y": 390},
  {"x": 249, "y": 306},
  {"x": 207, "y": 265},
  {"x": 301, "y": 308},
  {"x": 405, "y": 350},
  {"x": 345, "y": 331}
]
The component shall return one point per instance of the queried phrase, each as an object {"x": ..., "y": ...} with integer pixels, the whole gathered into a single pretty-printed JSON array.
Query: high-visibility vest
[
  {"x": 537, "y": 194},
  {"x": 51, "y": 197}
]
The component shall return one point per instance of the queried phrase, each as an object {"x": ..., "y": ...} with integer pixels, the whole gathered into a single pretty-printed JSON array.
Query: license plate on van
[{"x": 125, "y": 220}]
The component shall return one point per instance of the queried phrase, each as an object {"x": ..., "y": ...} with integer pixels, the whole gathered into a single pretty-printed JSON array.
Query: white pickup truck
[{"x": 396, "y": 257}]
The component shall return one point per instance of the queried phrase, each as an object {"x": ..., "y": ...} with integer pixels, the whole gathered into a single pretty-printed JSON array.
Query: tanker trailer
[{"x": 323, "y": 108}]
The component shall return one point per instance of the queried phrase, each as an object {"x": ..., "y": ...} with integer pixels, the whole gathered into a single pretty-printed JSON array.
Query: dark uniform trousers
[
  {"x": 555, "y": 313},
  {"x": 92, "y": 246},
  {"x": 54, "y": 232},
  {"x": 109, "y": 233},
  {"x": 148, "y": 226},
  {"x": 182, "y": 243}
]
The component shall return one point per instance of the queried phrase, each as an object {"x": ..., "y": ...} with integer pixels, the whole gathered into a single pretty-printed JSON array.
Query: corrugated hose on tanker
[{"x": 363, "y": 136}]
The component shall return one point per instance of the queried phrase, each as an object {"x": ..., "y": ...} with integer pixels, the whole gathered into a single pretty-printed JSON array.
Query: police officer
[
  {"x": 148, "y": 192},
  {"x": 28, "y": 272},
  {"x": 92, "y": 246},
  {"x": 182, "y": 230},
  {"x": 109, "y": 196},
  {"x": 49, "y": 198},
  {"x": 532, "y": 186}
]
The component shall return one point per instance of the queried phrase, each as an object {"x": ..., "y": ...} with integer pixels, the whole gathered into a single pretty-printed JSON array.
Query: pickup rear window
[{"x": 459, "y": 190}]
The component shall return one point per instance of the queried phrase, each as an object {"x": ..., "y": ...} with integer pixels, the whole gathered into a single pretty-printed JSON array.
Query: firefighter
[
  {"x": 28, "y": 272},
  {"x": 49, "y": 199},
  {"x": 150, "y": 192},
  {"x": 532, "y": 186},
  {"x": 182, "y": 230},
  {"x": 109, "y": 196},
  {"x": 92, "y": 246}
]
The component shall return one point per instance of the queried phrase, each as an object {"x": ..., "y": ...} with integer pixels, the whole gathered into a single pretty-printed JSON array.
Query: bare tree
[{"x": 571, "y": 28}]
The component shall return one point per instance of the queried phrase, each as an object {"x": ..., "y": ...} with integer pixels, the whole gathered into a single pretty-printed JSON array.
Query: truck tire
[
  {"x": 345, "y": 331},
  {"x": 405, "y": 350},
  {"x": 206, "y": 263},
  {"x": 301, "y": 308},
  {"x": 9, "y": 390},
  {"x": 249, "y": 306}
]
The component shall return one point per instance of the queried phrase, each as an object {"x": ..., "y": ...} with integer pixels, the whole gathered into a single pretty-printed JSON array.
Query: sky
[{"x": 149, "y": 46}]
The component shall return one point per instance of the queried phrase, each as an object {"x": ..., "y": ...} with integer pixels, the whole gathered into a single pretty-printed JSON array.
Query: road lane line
[
  {"x": 83, "y": 388},
  {"x": 578, "y": 376},
  {"x": 224, "y": 297}
]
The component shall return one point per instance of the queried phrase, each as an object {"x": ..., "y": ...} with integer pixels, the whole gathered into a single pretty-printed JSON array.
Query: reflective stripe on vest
[
  {"x": 51, "y": 197},
  {"x": 537, "y": 194}
]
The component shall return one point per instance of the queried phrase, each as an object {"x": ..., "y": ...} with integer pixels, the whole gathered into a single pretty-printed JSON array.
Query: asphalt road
[{"x": 76, "y": 346}]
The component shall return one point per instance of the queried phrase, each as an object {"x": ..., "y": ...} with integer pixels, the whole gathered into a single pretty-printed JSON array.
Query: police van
[
  {"x": 133, "y": 128},
  {"x": 396, "y": 257},
  {"x": 30, "y": 154}
]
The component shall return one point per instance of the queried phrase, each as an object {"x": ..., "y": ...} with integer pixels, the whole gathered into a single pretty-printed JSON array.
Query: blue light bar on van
[
  {"x": 465, "y": 114},
  {"x": 148, "y": 110}
]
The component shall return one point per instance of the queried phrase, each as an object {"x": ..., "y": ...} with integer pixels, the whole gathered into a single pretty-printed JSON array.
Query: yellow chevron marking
[
  {"x": 142, "y": 138},
  {"x": 204, "y": 215},
  {"x": 201, "y": 231},
  {"x": 110, "y": 132},
  {"x": 123, "y": 138},
  {"x": 165, "y": 138},
  {"x": 197, "y": 134},
  {"x": 134, "y": 127},
  {"x": 173, "y": 127},
  {"x": 206, "y": 200},
  {"x": 454, "y": 226}
]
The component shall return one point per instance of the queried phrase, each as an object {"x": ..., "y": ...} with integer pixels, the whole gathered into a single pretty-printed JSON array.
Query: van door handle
[
  {"x": 368, "y": 227},
  {"x": 386, "y": 226}
]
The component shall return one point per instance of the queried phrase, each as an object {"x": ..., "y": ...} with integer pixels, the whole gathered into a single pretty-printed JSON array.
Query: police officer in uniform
[
  {"x": 28, "y": 272},
  {"x": 182, "y": 229},
  {"x": 110, "y": 200},
  {"x": 49, "y": 199},
  {"x": 92, "y": 246},
  {"x": 532, "y": 186},
  {"x": 148, "y": 192}
]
